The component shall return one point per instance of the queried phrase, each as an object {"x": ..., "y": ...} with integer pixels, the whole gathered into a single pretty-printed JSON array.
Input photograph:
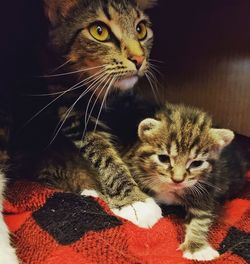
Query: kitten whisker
[{"x": 210, "y": 185}]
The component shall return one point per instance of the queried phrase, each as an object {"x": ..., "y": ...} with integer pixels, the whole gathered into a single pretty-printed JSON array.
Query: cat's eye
[
  {"x": 164, "y": 158},
  {"x": 196, "y": 164},
  {"x": 99, "y": 31},
  {"x": 141, "y": 30}
]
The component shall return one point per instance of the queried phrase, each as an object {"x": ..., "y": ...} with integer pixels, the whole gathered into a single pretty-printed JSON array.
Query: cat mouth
[{"x": 126, "y": 83}]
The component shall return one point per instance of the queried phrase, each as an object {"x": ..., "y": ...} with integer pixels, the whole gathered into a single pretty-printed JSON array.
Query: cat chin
[{"x": 126, "y": 83}]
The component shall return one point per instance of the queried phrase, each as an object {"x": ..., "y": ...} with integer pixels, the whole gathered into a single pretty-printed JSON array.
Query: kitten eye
[
  {"x": 164, "y": 158},
  {"x": 141, "y": 30},
  {"x": 99, "y": 31},
  {"x": 196, "y": 164}
]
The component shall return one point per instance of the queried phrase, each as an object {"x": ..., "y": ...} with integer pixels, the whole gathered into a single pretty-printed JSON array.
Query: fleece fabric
[{"x": 53, "y": 227}]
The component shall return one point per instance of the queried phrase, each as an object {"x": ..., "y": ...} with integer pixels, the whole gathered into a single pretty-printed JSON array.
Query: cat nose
[
  {"x": 177, "y": 180},
  {"x": 137, "y": 60}
]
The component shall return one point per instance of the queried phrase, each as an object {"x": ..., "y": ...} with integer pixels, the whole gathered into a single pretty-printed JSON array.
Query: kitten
[
  {"x": 181, "y": 159},
  {"x": 106, "y": 46}
]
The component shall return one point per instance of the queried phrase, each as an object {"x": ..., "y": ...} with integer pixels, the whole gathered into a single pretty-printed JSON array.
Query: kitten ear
[
  {"x": 146, "y": 4},
  {"x": 55, "y": 9},
  {"x": 148, "y": 128},
  {"x": 222, "y": 137}
]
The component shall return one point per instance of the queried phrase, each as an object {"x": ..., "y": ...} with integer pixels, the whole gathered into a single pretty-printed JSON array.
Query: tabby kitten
[
  {"x": 106, "y": 46},
  {"x": 181, "y": 159}
]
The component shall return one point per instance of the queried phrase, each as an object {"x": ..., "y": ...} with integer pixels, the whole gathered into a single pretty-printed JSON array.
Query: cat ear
[
  {"x": 148, "y": 128},
  {"x": 222, "y": 137},
  {"x": 146, "y": 4},
  {"x": 55, "y": 9}
]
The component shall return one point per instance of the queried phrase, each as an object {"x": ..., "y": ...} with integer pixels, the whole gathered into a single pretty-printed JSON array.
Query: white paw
[
  {"x": 92, "y": 193},
  {"x": 8, "y": 256},
  {"x": 143, "y": 214},
  {"x": 205, "y": 254}
]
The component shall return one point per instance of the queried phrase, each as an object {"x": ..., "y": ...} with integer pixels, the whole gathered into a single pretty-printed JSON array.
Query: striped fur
[
  {"x": 101, "y": 68},
  {"x": 181, "y": 159}
]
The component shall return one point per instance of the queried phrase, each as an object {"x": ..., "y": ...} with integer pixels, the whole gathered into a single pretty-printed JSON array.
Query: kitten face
[
  {"x": 176, "y": 150},
  {"x": 110, "y": 40}
]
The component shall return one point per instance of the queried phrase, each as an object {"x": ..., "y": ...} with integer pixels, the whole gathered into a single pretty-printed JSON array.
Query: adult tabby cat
[
  {"x": 105, "y": 47},
  {"x": 180, "y": 159}
]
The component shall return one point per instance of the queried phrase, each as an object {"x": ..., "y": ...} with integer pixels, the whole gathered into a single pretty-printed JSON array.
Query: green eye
[
  {"x": 99, "y": 32},
  {"x": 141, "y": 30}
]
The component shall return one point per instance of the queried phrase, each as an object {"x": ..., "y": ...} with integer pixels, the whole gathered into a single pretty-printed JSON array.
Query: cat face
[
  {"x": 107, "y": 40},
  {"x": 176, "y": 149}
]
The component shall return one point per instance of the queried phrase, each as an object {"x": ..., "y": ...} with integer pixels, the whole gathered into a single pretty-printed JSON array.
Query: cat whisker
[
  {"x": 155, "y": 92},
  {"x": 88, "y": 115},
  {"x": 59, "y": 127},
  {"x": 61, "y": 66},
  {"x": 54, "y": 100},
  {"x": 93, "y": 94},
  {"x": 157, "y": 61},
  {"x": 72, "y": 88},
  {"x": 104, "y": 100},
  {"x": 154, "y": 68},
  {"x": 72, "y": 72}
]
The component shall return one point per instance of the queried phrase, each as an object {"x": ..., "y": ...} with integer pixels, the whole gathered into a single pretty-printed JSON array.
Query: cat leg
[
  {"x": 118, "y": 187},
  {"x": 7, "y": 253},
  {"x": 195, "y": 245}
]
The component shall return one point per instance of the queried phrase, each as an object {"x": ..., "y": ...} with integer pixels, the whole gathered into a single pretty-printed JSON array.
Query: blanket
[{"x": 53, "y": 227}]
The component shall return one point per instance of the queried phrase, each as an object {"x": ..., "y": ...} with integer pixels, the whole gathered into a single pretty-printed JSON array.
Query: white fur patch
[
  {"x": 205, "y": 254},
  {"x": 92, "y": 193},
  {"x": 126, "y": 83},
  {"x": 143, "y": 214},
  {"x": 7, "y": 253}
]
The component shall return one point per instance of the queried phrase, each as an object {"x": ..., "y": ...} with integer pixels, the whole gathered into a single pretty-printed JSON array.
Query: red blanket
[{"x": 52, "y": 227}]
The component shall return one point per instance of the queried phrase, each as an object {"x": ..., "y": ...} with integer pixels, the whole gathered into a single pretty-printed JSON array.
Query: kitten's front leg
[
  {"x": 195, "y": 245},
  {"x": 118, "y": 187}
]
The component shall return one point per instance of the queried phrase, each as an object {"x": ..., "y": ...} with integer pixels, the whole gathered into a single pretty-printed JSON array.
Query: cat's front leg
[
  {"x": 118, "y": 187},
  {"x": 196, "y": 245}
]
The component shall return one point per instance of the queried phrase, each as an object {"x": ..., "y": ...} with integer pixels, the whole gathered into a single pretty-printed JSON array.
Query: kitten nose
[
  {"x": 137, "y": 60},
  {"x": 177, "y": 180}
]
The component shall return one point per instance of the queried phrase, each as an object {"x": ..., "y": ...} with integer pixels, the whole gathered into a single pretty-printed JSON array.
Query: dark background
[{"x": 192, "y": 38}]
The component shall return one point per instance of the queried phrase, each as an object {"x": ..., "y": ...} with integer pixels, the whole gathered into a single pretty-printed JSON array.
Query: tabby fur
[
  {"x": 103, "y": 47},
  {"x": 180, "y": 159}
]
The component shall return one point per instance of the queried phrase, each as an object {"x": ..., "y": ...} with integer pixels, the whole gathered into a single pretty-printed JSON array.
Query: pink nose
[
  {"x": 177, "y": 180},
  {"x": 137, "y": 60}
]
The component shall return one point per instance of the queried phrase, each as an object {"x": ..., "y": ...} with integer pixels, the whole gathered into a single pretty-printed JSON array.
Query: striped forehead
[
  {"x": 187, "y": 139},
  {"x": 120, "y": 20}
]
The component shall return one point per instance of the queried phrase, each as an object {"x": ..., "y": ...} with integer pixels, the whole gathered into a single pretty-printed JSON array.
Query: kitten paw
[
  {"x": 91, "y": 193},
  {"x": 143, "y": 214},
  {"x": 206, "y": 253}
]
